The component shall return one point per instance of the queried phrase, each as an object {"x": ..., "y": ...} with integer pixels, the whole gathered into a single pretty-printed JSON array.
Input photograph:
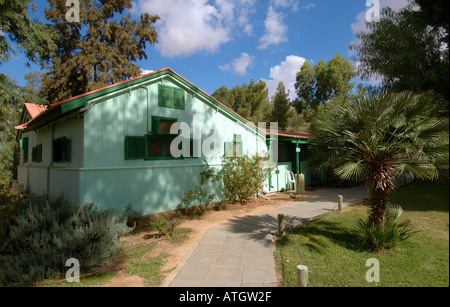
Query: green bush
[
  {"x": 240, "y": 178},
  {"x": 164, "y": 226},
  {"x": 193, "y": 202},
  {"x": 10, "y": 204},
  {"x": 380, "y": 238},
  {"x": 47, "y": 233}
]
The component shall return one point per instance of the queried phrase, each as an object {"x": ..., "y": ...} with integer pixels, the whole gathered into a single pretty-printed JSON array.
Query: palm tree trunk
[{"x": 378, "y": 199}]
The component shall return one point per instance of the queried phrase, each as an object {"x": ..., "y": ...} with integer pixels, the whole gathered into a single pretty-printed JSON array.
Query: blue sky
[{"x": 230, "y": 42}]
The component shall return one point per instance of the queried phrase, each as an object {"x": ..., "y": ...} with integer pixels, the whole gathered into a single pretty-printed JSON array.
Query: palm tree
[{"x": 378, "y": 138}]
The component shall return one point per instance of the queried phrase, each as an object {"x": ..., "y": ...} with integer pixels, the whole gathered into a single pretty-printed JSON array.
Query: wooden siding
[{"x": 153, "y": 186}]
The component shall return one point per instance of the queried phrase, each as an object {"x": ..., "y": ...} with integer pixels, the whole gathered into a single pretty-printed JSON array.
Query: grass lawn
[{"x": 329, "y": 250}]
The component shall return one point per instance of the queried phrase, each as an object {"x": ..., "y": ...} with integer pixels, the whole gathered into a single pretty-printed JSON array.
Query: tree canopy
[
  {"x": 97, "y": 51},
  {"x": 249, "y": 100},
  {"x": 34, "y": 38},
  {"x": 324, "y": 83},
  {"x": 407, "y": 50}
]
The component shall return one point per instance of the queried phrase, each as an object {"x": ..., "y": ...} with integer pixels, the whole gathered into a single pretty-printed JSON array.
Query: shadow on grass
[
  {"x": 317, "y": 236},
  {"x": 423, "y": 195}
]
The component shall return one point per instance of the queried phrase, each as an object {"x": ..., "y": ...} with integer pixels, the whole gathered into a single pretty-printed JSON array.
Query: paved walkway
[{"x": 239, "y": 253}]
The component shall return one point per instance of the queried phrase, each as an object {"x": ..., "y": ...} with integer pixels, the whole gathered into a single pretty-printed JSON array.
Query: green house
[{"x": 142, "y": 142}]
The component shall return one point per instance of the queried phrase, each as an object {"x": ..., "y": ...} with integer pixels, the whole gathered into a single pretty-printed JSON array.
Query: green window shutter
[
  {"x": 134, "y": 147},
  {"x": 165, "y": 96},
  {"x": 171, "y": 97},
  {"x": 24, "y": 144},
  {"x": 228, "y": 149},
  {"x": 178, "y": 99}
]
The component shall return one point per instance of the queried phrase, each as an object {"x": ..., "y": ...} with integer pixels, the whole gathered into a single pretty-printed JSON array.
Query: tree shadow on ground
[
  {"x": 261, "y": 227},
  {"x": 317, "y": 235}
]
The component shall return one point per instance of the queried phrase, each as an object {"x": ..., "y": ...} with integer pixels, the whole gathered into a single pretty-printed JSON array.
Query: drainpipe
[{"x": 50, "y": 165}]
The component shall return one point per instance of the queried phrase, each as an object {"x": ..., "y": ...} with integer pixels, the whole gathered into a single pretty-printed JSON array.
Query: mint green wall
[
  {"x": 55, "y": 179},
  {"x": 98, "y": 171},
  {"x": 155, "y": 186}
]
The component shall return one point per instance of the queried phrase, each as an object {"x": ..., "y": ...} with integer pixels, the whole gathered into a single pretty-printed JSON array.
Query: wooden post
[
  {"x": 302, "y": 276},
  {"x": 281, "y": 225},
  {"x": 340, "y": 202}
]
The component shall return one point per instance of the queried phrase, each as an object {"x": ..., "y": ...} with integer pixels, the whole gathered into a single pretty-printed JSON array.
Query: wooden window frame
[
  {"x": 66, "y": 150},
  {"x": 165, "y": 151},
  {"x": 156, "y": 124}
]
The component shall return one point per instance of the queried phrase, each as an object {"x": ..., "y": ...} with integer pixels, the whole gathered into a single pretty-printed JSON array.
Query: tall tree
[
  {"x": 12, "y": 101},
  {"x": 98, "y": 50},
  {"x": 36, "y": 40},
  {"x": 281, "y": 106},
  {"x": 249, "y": 100},
  {"x": 377, "y": 138},
  {"x": 31, "y": 36},
  {"x": 407, "y": 50},
  {"x": 323, "y": 84}
]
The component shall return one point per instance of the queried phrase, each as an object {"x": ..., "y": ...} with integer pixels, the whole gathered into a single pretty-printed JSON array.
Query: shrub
[
  {"x": 390, "y": 233},
  {"x": 47, "y": 233},
  {"x": 10, "y": 204},
  {"x": 240, "y": 178},
  {"x": 164, "y": 226},
  {"x": 193, "y": 202},
  {"x": 133, "y": 218}
]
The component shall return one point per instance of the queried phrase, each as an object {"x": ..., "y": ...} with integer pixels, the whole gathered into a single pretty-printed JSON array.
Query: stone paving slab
[{"x": 239, "y": 253}]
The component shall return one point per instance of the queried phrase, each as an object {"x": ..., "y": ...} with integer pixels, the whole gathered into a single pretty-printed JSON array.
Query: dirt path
[{"x": 199, "y": 227}]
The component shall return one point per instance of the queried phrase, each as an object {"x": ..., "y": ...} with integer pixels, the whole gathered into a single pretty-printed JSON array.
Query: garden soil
[{"x": 199, "y": 226}]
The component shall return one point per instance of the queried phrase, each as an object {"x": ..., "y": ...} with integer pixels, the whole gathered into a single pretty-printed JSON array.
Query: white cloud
[
  {"x": 275, "y": 29},
  {"x": 309, "y": 6},
  {"x": 190, "y": 26},
  {"x": 240, "y": 65},
  {"x": 293, "y": 4},
  {"x": 146, "y": 71},
  {"x": 285, "y": 72}
]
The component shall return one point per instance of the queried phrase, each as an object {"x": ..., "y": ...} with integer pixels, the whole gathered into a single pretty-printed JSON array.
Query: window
[
  {"x": 24, "y": 145},
  {"x": 155, "y": 145},
  {"x": 158, "y": 147},
  {"x": 134, "y": 147},
  {"x": 37, "y": 154},
  {"x": 171, "y": 97},
  {"x": 151, "y": 147},
  {"x": 238, "y": 146},
  {"x": 235, "y": 148},
  {"x": 61, "y": 150},
  {"x": 162, "y": 125}
]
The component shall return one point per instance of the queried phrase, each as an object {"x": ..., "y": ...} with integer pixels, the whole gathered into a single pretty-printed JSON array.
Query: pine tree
[
  {"x": 281, "y": 107},
  {"x": 251, "y": 101},
  {"x": 98, "y": 50}
]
